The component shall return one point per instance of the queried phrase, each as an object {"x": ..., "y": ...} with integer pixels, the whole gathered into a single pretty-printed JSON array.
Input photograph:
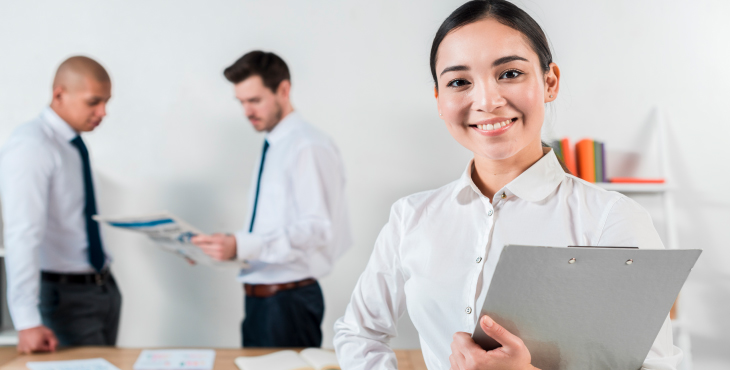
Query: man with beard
[{"x": 298, "y": 222}]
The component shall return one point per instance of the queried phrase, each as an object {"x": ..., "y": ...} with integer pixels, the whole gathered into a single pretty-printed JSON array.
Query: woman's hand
[{"x": 467, "y": 355}]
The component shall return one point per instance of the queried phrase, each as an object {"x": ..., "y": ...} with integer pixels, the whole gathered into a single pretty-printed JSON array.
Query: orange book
[
  {"x": 586, "y": 155},
  {"x": 569, "y": 156}
]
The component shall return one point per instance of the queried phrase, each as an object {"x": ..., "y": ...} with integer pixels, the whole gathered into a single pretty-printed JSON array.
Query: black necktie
[
  {"x": 96, "y": 252},
  {"x": 258, "y": 185}
]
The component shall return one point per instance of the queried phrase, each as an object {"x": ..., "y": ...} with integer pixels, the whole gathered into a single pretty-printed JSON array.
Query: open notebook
[{"x": 308, "y": 359}]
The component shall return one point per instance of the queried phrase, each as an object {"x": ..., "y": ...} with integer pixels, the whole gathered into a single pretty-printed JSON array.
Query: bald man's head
[
  {"x": 81, "y": 89},
  {"x": 73, "y": 71}
]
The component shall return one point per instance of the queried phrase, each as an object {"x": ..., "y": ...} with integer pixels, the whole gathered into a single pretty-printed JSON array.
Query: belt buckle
[{"x": 99, "y": 279}]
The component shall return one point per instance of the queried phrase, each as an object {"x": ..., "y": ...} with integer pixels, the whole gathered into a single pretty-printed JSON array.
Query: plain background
[{"x": 176, "y": 139}]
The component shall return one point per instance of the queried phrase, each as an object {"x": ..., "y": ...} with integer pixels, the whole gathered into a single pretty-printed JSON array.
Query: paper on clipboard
[{"x": 170, "y": 233}]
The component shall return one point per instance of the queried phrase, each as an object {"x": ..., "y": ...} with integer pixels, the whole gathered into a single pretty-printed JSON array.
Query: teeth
[{"x": 490, "y": 127}]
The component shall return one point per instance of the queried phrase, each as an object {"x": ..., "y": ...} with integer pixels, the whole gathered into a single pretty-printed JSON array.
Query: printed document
[
  {"x": 169, "y": 232},
  {"x": 175, "y": 359},
  {"x": 88, "y": 364}
]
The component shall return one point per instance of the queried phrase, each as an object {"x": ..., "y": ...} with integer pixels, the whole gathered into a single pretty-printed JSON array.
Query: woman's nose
[{"x": 488, "y": 97}]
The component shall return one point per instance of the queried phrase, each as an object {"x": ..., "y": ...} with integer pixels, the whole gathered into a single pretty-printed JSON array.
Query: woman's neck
[{"x": 491, "y": 175}]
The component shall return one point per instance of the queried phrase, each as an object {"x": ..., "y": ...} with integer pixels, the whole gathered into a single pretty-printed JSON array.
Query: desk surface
[{"x": 124, "y": 358}]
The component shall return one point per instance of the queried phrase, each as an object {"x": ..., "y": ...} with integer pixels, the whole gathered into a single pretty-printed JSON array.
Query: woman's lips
[{"x": 494, "y": 129}]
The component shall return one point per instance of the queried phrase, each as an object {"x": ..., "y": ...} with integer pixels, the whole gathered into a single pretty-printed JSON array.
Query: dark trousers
[
  {"x": 290, "y": 318},
  {"x": 81, "y": 314}
]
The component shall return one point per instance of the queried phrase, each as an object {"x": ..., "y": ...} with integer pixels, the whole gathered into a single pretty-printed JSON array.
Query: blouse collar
[{"x": 534, "y": 185}]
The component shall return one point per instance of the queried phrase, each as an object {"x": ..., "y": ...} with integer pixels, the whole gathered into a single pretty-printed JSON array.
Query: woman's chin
[{"x": 497, "y": 152}]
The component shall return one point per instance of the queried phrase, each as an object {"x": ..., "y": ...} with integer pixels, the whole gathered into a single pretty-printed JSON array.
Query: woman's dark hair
[
  {"x": 269, "y": 66},
  {"x": 503, "y": 12}
]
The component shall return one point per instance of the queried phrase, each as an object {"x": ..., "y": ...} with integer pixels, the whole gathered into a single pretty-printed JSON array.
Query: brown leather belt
[{"x": 268, "y": 290}]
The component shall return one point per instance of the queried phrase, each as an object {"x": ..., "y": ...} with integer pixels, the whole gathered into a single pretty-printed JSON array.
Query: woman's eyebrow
[
  {"x": 454, "y": 68},
  {"x": 507, "y": 59}
]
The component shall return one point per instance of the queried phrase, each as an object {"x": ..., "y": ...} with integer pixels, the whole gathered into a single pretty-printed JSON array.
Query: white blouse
[{"x": 437, "y": 254}]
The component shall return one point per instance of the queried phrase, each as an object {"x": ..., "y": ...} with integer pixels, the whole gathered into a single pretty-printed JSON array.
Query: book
[
  {"x": 600, "y": 163},
  {"x": 555, "y": 144},
  {"x": 604, "y": 178},
  {"x": 568, "y": 156},
  {"x": 585, "y": 154},
  {"x": 307, "y": 359},
  {"x": 175, "y": 359}
]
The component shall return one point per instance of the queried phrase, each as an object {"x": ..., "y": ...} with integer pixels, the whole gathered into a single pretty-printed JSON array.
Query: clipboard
[{"x": 584, "y": 308}]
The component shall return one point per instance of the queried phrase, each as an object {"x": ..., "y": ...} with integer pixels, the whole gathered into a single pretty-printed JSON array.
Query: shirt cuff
[
  {"x": 26, "y": 318},
  {"x": 248, "y": 246}
]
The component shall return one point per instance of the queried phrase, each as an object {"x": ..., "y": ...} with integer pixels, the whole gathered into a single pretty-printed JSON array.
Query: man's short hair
[{"x": 269, "y": 66}]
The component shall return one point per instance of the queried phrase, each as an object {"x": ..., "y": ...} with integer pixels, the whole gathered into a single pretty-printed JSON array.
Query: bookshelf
[
  {"x": 634, "y": 188},
  {"x": 679, "y": 321}
]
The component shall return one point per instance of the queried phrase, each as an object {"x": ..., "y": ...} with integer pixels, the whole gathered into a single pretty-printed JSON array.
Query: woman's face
[{"x": 491, "y": 89}]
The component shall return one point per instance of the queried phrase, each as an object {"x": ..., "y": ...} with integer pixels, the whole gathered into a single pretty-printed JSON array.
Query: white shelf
[
  {"x": 633, "y": 188},
  {"x": 8, "y": 338}
]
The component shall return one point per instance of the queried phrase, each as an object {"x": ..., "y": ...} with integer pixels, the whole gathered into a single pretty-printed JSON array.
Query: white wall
[{"x": 176, "y": 139}]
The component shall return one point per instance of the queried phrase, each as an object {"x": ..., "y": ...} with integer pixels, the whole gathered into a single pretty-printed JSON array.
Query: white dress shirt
[
  {"x": 302, "y": 224},
  {"x": 42, "y": 192},
  {"x": 437, "y": 254}
]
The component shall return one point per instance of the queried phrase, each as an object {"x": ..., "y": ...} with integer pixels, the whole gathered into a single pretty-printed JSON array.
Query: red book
[
  {"x": 586, "y": 155},
  {"x": 633, "y": 180},
  {"x": 568, "y": 156}
]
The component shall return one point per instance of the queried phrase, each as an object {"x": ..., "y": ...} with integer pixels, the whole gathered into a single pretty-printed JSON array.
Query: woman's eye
[
  {"x": 458, "y": 83},
  {"x": 510, "y": 74}
]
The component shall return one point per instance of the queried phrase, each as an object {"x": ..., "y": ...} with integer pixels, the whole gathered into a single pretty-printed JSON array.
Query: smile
[{"x": 490, "y": 127}]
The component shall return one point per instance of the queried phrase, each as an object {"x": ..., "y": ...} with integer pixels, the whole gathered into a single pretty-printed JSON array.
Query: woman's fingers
[{"x": 509, "y": 341}]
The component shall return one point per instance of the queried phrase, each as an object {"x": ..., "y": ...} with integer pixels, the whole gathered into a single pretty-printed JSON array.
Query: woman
[{"x": 493, "y": 75}]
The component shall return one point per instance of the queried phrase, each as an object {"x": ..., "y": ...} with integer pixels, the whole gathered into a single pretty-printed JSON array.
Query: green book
[
  {"x": 555, "y": 144},
  {"x": 598, "y": 158}
]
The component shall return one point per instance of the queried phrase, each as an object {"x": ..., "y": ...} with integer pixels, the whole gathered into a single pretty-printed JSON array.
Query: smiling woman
[{"x": 493, "y": 74}]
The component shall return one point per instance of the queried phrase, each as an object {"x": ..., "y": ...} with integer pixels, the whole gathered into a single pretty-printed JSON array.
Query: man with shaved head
[{"x": 60, "y": 290}]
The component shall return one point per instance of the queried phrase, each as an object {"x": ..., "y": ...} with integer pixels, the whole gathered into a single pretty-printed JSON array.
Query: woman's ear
[
  {"x": 552, "y": 83},
  {"x": 435, "y": 92}
]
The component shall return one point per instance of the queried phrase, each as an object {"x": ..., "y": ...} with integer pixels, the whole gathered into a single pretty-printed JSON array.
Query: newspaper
[{"x": 170, "y": 233}]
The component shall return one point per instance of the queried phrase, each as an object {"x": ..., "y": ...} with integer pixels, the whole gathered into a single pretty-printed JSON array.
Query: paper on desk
[
  {"x": 169, "y": 232},
  {"x": 175, "y": 359},
  {"x": 88, "y": 364}
]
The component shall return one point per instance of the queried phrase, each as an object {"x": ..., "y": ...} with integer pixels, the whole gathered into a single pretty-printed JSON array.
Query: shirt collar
[
  {"x": 284, "y": 127},
  {"x": 58, "y": 125},
  {"x": 534, "y": 185}
]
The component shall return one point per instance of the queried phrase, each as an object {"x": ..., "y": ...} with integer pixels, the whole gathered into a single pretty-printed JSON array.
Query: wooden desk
[
  {"x": 7, "y": 354},
  {"x": 124, "y": 358}
]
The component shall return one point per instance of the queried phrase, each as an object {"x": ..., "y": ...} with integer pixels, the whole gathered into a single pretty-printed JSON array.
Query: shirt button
[
  {"x": 490, "y": 213},
  {"x": 504, "y": 195},
  {"x": 479, "y": 259},
  {"x": 468, "y": 310}
]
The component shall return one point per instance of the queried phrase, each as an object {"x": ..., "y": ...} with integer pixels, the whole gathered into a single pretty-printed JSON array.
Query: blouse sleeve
[
  {"x": 363, "y": 334},
  {"x": 629, "y": 225}
]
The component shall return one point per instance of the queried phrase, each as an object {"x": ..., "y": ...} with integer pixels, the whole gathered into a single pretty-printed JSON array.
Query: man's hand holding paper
[{"x": 220, "y": 247}]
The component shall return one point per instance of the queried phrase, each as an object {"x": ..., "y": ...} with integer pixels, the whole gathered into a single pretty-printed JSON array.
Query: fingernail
[{"x": 488, "y": 322}]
